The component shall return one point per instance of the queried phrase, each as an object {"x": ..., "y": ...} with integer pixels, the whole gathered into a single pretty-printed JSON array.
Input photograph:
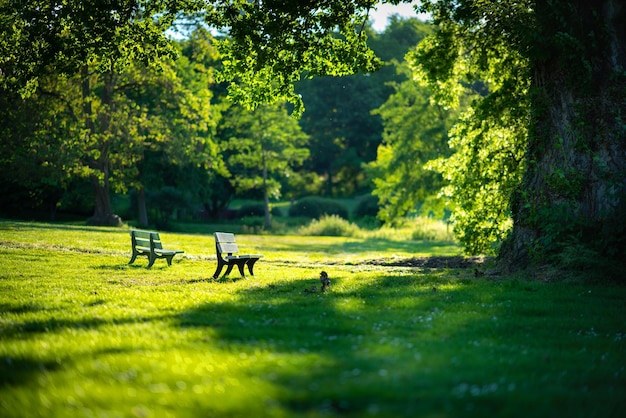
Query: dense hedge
[
  {"x": 255, "y": 209},
  {"x": 368, "y": 206},
  {"x": 316, "y": 207}
]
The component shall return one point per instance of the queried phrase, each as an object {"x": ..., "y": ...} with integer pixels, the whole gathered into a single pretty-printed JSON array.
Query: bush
[
  {"x": 316, "y": 207},
  {"x": 428, "y": 229},
  {"x": 251, "y": 209},
  {"x": 256, "y": 209},
  {"x": 367, "y": 207},
  {"x": 330, "y": 225},
  {"x": 164, "y": 204}
]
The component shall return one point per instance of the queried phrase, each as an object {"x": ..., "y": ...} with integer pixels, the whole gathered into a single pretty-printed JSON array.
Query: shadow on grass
[
  {"x": 18, "y": 225},
  {"x": 15, "y": 371},
  {"x": 361, "y": 245},
  {"x": 357, "y": 351}
]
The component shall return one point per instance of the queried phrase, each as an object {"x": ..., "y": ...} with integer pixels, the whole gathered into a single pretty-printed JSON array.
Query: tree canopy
[
  {"x": 541, "y": 143},
  {"x": 551, "y": 122}
]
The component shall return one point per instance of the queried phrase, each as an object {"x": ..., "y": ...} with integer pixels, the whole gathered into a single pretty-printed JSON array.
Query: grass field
[{"x": 82, "y": 333}]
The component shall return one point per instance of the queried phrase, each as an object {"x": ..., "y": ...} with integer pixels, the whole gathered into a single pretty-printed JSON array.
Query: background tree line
[
  {"x": 168, "y": 133},
  {"x": 536, "y": 169}
]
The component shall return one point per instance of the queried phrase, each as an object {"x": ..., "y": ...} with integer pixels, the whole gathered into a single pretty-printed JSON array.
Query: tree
[
  {"x": 558, "y": 88},
  {"x": 180, "y": 122},
  {"x": 272, "y": 44},
  {"x": 415, "y": 133},
  {"x": 344, "y": 133},
  {"x": 35, "y": 149},
  {"x": 555, "y": 68},
  {"x": 263, "y": 145},
  {"x": 92, "y": 40}
]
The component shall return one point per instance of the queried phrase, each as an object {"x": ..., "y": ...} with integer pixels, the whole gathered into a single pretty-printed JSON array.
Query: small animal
[
  {"x": 325, "y": 281},
  {"x": 312, "y": 289}
]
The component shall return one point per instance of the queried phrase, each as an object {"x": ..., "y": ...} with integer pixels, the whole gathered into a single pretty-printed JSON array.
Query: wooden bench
[
  {"x": 148, "y": 243},
  {"x": 225, "y": 244}
]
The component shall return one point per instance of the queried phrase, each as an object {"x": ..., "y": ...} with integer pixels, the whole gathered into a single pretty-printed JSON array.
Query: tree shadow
[
  {"x": 19, "y": 371},
  {"x": 354, "y": 245},
  {"x": 15, "y": 225},
  {"x": 350, "y": 363}
]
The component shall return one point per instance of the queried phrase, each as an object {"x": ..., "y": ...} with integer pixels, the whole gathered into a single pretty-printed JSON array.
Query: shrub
[
  {"x": 316, "y": 207},
  {"x": 428, "y": 229},
  {"x": 367, "y": 207},
  {"x": 256, "y": 209},
  {"x": 164, "y": 204},
  {"x": 330, "y": 225},
  {"x": 251, "y": 209}
]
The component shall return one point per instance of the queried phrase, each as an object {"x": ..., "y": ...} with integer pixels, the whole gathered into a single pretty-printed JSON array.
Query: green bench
[
  {"x": 225, "y": 244},
  {"x": 148, "y": 243}
]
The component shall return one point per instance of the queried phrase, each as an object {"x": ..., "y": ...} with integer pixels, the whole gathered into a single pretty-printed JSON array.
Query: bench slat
[
  {"x": 224, "y": 237},
  {"x": 228, "y": 248}
]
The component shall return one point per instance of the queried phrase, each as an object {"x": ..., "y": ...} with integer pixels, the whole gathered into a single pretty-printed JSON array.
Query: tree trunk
[
  {"x": 103, "y": 211},
  {"x": 574, "y": 186},
  {"x": 141, "y": 207},
  {"x": 266, "y": 198}
]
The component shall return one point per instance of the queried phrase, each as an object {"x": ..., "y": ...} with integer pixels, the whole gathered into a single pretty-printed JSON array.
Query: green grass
[{"x": 84, "y": 334}]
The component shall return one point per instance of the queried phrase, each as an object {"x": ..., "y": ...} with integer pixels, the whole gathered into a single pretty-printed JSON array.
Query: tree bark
[
  {"x": 266, "y": 198},
  {"x": 103, "y": 211},
  {"x": 141, "y": 207},
  {"x": 574, "y": 186}
]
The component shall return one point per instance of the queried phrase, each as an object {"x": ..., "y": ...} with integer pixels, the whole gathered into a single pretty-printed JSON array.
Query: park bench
[
  {"x": 225, "y": 244},
  {"x": 148, "y": 243}
]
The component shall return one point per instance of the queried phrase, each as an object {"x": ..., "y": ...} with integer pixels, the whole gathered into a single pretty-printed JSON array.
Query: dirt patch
[{"x": 433, "y": 262}]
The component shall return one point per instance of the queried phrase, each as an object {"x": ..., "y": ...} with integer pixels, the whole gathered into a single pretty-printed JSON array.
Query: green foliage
[
  {"x": 164, "y": 204},
  {"x": 255, "y": 209},
  {"x": 261, "y": 147},
  {"x": 316, "y": 207},
  {"x": 331, "y": 226},
  {"x": 489, "y": 140},
  {"x": 367, "y": 206},
  {"x": 66, "y": 35},
  {"x": 431, "y": 230},
  {"x": 272, "y": 45},
  {"x": 344, "y": 132},
  {"x": 415, "y": 132}
]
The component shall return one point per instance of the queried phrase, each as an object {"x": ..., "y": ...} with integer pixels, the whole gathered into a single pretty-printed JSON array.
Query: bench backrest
[
  {"x": 225, "y": 243},
  {"x": 142, "y": 239}
]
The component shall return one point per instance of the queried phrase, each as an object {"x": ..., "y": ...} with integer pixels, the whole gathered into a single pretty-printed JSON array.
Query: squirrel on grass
[{"x": 324, "y": 279}]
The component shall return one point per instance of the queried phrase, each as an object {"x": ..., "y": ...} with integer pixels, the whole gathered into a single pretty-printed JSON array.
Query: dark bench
[
  {"x": 225, "y": 244},
  {"x": 148, "y": 243}
]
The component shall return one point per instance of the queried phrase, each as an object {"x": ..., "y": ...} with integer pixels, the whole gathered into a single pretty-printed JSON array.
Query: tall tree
[
  {"x": 180, "y": 121},
  {"x": 558, "y": 75},
  {"x": 94, "y": 40},
  {"x": 558, "y": 64},
  {"x": 35, "y": 146},
  {"x": 415, "y": 132},
  {"x": 344, "y": 133},
  {"x": 264, "y": 145}
]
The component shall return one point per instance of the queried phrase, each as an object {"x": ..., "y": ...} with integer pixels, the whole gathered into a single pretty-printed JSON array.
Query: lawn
[{"x": 82, "y": 333}]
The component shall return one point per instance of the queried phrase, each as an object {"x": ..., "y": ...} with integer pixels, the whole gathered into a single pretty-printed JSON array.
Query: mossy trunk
[{"x": 573, "y": 192}]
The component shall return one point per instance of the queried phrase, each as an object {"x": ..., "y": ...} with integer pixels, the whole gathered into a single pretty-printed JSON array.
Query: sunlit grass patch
[{"x": 84, "y": 333}]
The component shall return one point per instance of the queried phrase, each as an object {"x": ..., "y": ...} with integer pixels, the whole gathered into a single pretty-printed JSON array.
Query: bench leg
[
  {"x": 240, "y": 264},
  {"x": 218, "y": 270},
  {"x": 250, "y": 264},
  {"x": 132, "y": 258},
  {"x": 152, "y": 258},
  {"x": 229, "y": 269},
  {"x": 169, "y": 259}
]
